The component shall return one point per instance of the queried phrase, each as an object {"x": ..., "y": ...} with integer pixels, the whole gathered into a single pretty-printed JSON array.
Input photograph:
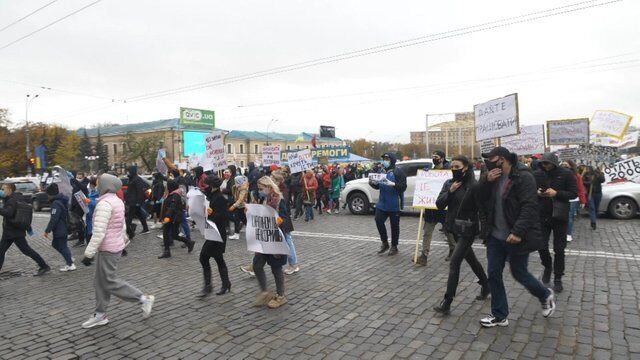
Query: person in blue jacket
[
  {"x": 58, "y": 225},
  {"x": 390, "y": 202},
  {"x": 93, "y": 199}
]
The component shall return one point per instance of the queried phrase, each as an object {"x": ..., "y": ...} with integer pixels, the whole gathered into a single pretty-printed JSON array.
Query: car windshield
[{"x": 26, "y": 187}]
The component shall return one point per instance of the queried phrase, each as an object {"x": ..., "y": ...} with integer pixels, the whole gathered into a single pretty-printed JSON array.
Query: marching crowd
[{"x": 514, "y": 207}]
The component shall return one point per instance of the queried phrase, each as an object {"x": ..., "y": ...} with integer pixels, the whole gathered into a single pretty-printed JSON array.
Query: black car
[{"x": 31, "y": 193}]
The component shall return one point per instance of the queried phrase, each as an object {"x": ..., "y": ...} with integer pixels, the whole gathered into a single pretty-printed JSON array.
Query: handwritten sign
[
  {"x": 487, "y": 145},
  {"x": 198, "y": 212},
  {"x": 611, "y": 123},
  {"x": 160, "y": 164},
  {"x": 377, "y": 177},
  {"x": 214, "y": 151},
  {"x": 427, "y": 187},
  {"x": 629, "y": 141},
  {"x": 496, "y": 118},
  {"x": 590, "y": 155},
  {"x": 263, "y": 234},
  {"x": 568, "y": 132},
  {"x": 628, "y": 170},
  {"x": 300, "y": 161},
  {"x": 530, "y": 141},
  {"x": 80, "y": 199},
  {"x": 270, "y": 155}
]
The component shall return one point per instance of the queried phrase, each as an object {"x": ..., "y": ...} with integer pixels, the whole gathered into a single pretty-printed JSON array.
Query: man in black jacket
[
  {"x": 12, "y": 234},
  {"x": 134, "y": 199},
  {"x": 76, "y": 212},
  {"x": 556, "y": 187},
  {"x": 511, "y": 229}
]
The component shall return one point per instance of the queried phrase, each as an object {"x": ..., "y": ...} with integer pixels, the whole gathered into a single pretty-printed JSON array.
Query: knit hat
[
  {"x": 240, "y": 180},
  {"x": 52, "y": 190},
  {"x": 172, "y": 186}
]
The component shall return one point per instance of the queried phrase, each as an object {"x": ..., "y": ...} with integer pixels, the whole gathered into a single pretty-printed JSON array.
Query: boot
[
  {"x": 444, "y": 308},
  {"x": 206, "y": 290},
  {"x": 422, "y": 260},
  {"x": 393, "y": 251},
  {"x": 384, "y": 247},
  {"x": 190, "y": 245},
  {"x": 484, "y": 292},
  {"x": 449, "y": 256},
  {"x": 224, "y": 289},
  {"x": 557, "y": 286},
  {"x": 165, "y": 254},
  {"x": 593, "y": 226},
  {"x": 226, "y": 284},
  {"x": 546, "y": 277}
]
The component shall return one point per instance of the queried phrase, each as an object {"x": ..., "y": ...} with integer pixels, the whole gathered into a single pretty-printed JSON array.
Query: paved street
[{"x": 346, "y": 302}]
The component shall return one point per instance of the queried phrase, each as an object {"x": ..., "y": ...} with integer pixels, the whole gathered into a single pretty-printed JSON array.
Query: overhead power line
[
  {"x": 61, "y": 90},
  {"x": 26, "y": 16},
  {"x": 386, "y": 47},
  {"x": 49, "y": 25}
]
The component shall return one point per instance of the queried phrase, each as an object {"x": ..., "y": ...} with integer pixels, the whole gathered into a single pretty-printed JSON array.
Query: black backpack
[{"x": 24, "y": 216}]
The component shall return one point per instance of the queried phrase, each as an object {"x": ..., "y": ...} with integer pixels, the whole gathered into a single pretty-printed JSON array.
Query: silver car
[{"x": 620, "y": 200}]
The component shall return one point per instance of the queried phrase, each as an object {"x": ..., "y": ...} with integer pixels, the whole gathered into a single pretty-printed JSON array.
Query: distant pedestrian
[
  {"x": 58, "y": 225},
  {"x": 575, "y": 203},
  {"x": 309, "y": 188},
  {"x": 134, "y": 199},
  {"x": 593, "y": 180},
  {"x": 240, "y": 194},
  {"x": 172, "y": 210}
]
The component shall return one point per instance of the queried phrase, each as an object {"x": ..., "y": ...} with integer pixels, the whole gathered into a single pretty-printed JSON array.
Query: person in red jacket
[
  {"x": 575, "y": 203},
  {"x": 309, "y": 185}
]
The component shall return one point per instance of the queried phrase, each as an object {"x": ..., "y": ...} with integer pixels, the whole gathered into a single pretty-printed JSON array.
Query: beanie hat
[
  {"x": 52, "y": 190},
  {"x": 240, "y": 180}
]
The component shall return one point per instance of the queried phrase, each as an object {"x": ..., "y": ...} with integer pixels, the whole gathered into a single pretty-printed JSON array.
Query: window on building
[
  {"x": 297, "y": 147},
  {"x": 115, "y": 149},
  {"x": 241, "y": 148},
  {"x": 255, "y": 148},
  {"x": 229, "y": 149},
  {"x": 288, "y": 147},
  {"x": 241, "y": 163},
  {"x": 306, "y": 147}
]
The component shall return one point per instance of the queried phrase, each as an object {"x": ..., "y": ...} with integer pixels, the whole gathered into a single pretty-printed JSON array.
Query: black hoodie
[{"x": 135, "y": 194}]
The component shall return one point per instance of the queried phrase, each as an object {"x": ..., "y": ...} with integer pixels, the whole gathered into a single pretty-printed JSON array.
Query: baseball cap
[{"x": 497, "y": 151}]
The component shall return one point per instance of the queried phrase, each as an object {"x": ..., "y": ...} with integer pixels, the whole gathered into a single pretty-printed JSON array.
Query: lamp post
[
  {"x": 90, "y": 159},
  {"x": 26, "y": 120},
  {"x": 270, "y": 122}
]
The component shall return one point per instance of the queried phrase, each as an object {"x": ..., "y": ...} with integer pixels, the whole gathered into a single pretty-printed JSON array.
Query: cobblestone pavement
[{"x": 346, "y": 302}]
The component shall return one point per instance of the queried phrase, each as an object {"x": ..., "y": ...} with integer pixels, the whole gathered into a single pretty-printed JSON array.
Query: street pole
[
  {"x": 459, "y": 141},
  {"x": 426, "y": 135},
  {"x": 26, "y": 119}
]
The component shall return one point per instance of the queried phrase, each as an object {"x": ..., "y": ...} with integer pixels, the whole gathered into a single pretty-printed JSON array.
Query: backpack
[{"x": 24, "y": 216}]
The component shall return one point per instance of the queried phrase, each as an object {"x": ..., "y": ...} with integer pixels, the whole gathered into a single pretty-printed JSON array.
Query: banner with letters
[
  {"x": 300, "y": 161},
  {"x": 270, "y": 155},
  {"x": 610, "y": 123},
  {"x": 331, "y": 153},
  {"x": 496, "y": 118},
  {"x": 590, "y": 155},
  {"x": 530, "y": 141},
  {"x": 427, "y": 187},
  {"x": 263, "y": 233},
  {"x": 198, "y": 205},
  {"x": 568, "y": 132},
  {"x": 624, "y": 170},
  {"x": 214, "y": 152}
]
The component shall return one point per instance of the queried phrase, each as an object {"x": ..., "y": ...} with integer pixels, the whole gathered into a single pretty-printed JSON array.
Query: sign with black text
[
  {"x": 530, "y": 141},
  {"x": 624, "y": 170},
  {"x": 497, "y": 118},
  {"x": 327, "y": 131},
  {"x": 263, "y": 233},
  {"x": 568, "y": 132}
]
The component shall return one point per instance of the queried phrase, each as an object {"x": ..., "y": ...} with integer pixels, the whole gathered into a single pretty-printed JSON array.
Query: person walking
[
  {"x": 309, "y": 184},
  {"x": 253, "y": 177},
  {"x": 93, "y": 198},
  {"x": 76, "y": 212},
  {"x": 460, "y": 196},
  {"x": 556, "y": 187},
  {"x": 240, "y": 194},
  {"x": 390, "y": 202},
  {"x": 294, "y": 182},
  {"x": 337, "y": 183},
  {"x": 11, "y": 233},
  {"x": 106, "y": 246},
  {"x": 157, "y": 196},
  {"x": 172, "y": 209},
  {"x": 580, "y": 200},
  {"x": 512, "y": 229},
  {"x": 58, "y": 225},
  {"x": 214, "y": 249},
  {"x": 593, "y": 180},
  {"x": 134, "y": 199}
]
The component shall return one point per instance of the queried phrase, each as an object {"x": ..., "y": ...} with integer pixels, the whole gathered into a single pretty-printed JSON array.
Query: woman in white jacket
[{"x": 107, "y": 244}]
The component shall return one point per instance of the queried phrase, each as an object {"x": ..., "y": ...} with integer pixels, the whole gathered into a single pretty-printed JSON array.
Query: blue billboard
[{"x": 193, "y": 142}]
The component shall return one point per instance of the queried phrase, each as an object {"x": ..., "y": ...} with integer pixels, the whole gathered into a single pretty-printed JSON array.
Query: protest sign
[
  {"x": 624, "y": 170},
  {"x": 160, "y": 164},
  {"x": 377, "y": 177},
  {"x": 568, "y": 132},
  {"x": 339, "y": 153},
  {"x": 263, "y": 234},
  {"x": 214, "y": 151},
  {"x": 300, "y": 161},
  {"x": 80, "y": 199},
  {"x": 270, "y": 155},
  {"x": 427, "y": 187},
  {"x": 198, "y": 205},
  {"x": 496, "y": 118},
  {"x": 567, "y": 154},
  {"x": 611, "y": 123},
  {"x": 487, "y": 145},
  {"x": 530, "y": 141},
  {"x": 590, "y": 155},
  {"x": 629, "y": 141}
]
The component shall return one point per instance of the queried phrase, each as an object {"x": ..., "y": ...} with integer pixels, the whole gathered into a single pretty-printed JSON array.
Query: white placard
[
  {"x": 568, "y": 132},
  {"x": 214, "y": 151},
  {"x": 300, "y": 161},
  {"x": 610, "y": 123},
  {"x": 487, "y": 145},
  {"x": 270, "y": 155},
  {"x": 377, "y": 177},
  {"x": 80, "y": 198},
  {"x": 628, "y": 141},
  {"x": 160, "y": 164},
  {"x": 263, "y": 234},
  {"x": 496, "y": 118},
  {"x": 428, "y": 186},
  {"x": 530, "y": 141},
  {"x": 627, "y": 170},
  {"x": 198, "y": 212}
]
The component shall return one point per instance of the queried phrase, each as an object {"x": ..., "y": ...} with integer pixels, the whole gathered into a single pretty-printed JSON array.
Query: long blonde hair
[{"x": 267, "y": 182}]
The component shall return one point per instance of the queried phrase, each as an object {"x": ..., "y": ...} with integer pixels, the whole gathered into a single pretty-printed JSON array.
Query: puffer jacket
[
  {"x": 59, "y": 217},
  {"x": 240, "y": 194},
  {"x": 108, "y": 226}
]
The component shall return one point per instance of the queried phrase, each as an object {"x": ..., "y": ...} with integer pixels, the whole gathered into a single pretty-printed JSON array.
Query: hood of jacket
[
  {"x": 550, "y": 158},
  {"x": 132, "y": 172},
  {"x": 198, "y": 170},
  {"x": 392, "y": 160},
  {"x": 108, "y": 184}
]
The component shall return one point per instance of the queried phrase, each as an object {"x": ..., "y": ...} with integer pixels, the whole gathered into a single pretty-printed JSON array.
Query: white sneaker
[
  {"x": 247, "y": 269},
  {"x": 147, "y": 306},
  {"x": 145, "y": 232},
  {"x": 159, "y": 236},
  {"x": 291, "y": 269},
  {"x": 68, "y": 268},
  {"x": 337, "y": 211},
  {"x": 96, "y": 320},
  {"x": 569, "y": 238},
  {"x": 549, "y": 305},
  {"x": 491, "y": 321},
  {"x": 234, "y": 237}
]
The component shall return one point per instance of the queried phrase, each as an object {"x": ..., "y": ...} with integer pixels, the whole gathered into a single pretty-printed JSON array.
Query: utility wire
[
  {"x": 384, "y": 48},
  {"x": 60, "y": 90},
  {"x": 26, "y": 16},
  {"x": 49, "y": 25}
]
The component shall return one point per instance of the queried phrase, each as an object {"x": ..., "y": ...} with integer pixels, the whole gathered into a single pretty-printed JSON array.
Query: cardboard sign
[
  {"x": 629, "y": 141},
  {"x": 198, "y": 205},
  {"x": 530, "y": 141},
  {"x": 214, "y": 151},
  {"x": 624, "y": 170},
  {"x": 263, "y": 234},
  {"x": 270, "y": 155},
  {"x": 160, "y": 164},
  {"x": 428, "y": 186},
  {"x": 497, "y": 118},
  {"x": 590, "y": 155},
  {"x": 80, "y": 198},
  {"x": 610, "y": 123},
  {"x": 377, "y": 177},
  {"x": 487, "y": 145},
  {"x": 300, "y": 161},
  {"x": 568, "y": 132}
]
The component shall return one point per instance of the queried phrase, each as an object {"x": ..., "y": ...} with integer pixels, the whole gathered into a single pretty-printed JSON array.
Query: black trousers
[
  {"x": 170, "y": 232},
  {"x": 239, "y": 219},
  {"x": 559, "y": 230},
  {"x": 24, "y": 247},
  {"x": 135, "y": 212},
  {"x": 463, "y": 251},
  {"x": 394, "y": 220},
  {"x": 207, "y": 252}
]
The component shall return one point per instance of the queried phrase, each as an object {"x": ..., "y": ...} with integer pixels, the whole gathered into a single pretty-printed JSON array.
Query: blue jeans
[
  {"x": 573, "y": 209},
  {"x": 60, "y": 244},
  {"x": 594, "y": 205},
  {"x": 308, "y": 212},
  {"x": 185, "y": 225},
  {"x": 293, "y": 259},
  {"x": 498, "y": 251}
]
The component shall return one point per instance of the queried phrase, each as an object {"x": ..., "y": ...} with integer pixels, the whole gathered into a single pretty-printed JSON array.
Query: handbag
[
  {"x": 464, "y": 228},
  {"x": 560, "y": 210}
]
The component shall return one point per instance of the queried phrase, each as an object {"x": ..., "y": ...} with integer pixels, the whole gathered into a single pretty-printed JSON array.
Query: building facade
[{"x": 452, "y": 137}]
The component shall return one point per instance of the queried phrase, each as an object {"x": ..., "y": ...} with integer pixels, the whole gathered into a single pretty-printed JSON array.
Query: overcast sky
[{"x": 119, "y": 49}]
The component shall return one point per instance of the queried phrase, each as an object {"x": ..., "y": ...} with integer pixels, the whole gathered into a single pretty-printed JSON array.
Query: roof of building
[
  {"x": 274, "y": 136},
  {"x": 149, "y": 126}
]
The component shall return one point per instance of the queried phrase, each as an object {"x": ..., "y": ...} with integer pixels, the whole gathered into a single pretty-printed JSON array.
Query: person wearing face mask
[
  {"x": 511, "y": 228},
  {"x": 134, "y": 199},
  {"x": 172, "y": 209},
  {"x": 556, "y": 187},
  {"x": 58, "y": 225},
  {"x": 76, "y": 212},
  {"x": 460, "y": 196},
  {"x": 574, "y": 204},
  {"x": 390, "y": 202},
  {"x": 93, "y": 198}
]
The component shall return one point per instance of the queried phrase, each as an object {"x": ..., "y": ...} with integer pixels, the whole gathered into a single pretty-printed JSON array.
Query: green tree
[
  {"x": 103, "y": 160},
  {"x": 4, "y": 118},
  {"x": 85, "y": 149},
  {"x": 68, "y": 154},
  {"x": 143, "y": 149}
]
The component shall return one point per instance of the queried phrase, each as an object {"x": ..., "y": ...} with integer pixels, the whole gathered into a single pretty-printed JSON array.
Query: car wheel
[
  {"x": 36, "y": 205},
  {"x": 623, "y": 208},
  {"x": 358, "y": 204}
]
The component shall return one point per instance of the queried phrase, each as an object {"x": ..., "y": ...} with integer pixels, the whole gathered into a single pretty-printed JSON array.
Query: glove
[
  {"x": 209, "y": 211},
  {"x": 87, "y": 261},
  {"x": 86, "y": 201},
  {"x": 279, "y": 221},
  {"x": 389, "y": 183},
  {"x": 166, "y": 220}
]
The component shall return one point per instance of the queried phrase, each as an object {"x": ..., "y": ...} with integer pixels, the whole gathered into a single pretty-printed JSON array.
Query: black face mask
[
  {"x": 458, "y": 174},
  {"x": 436, "y": 161},
  {"x": 492, "y": 165}
]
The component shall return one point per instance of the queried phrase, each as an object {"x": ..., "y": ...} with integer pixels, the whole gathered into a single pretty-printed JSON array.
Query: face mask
[
  {"x": 2, "y": 194},
  {"x": 263, "y": 194},
  {"x": 386, "y": 164},
  {"x": 436, "y": 161},
  {"x": 458, "y": 174}
]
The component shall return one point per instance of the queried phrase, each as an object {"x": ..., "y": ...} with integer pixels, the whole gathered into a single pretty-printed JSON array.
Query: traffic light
[{"x": 32, "y": 161}]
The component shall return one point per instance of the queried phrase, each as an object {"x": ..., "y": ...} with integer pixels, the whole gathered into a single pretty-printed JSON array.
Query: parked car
[
  {"x": 30, "y": 191},
  {"x": 620, "y": 200},
  {"x": 361, "y": 198}
]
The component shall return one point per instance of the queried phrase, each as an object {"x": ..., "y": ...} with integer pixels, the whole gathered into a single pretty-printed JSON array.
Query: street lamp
[
  {"x": 26, "y": 119},
  {"x": 270, "y": 122},
  {"x": 90, "y": 159}
]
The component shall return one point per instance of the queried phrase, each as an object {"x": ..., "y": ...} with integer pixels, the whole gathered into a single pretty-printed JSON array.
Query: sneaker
[
  {"x": 492, "y": 321},
  {"x": 291, "y": 269},
  {"x": 68, "y": 268},
  {"x": 96, "y": 320},
  {"x": 569, "y": 238},
  {"x": 263, "y": 298},
  {"x": 276, "y": 302},
  {"x": 393, "y": 250},
  {"x": 159, "y": 236},
  {"x": 234, "y": 237},
  {"x": 248, "y": 269},
  {"x": 42, "y": 271},
  {"x": 147, "y": 306},
  {"x": 145, "y": 232},
  {"x": 337, "y": 211},
  {"x": 549, "y": 305}
]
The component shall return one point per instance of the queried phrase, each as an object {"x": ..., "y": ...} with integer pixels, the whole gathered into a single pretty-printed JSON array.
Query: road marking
[{"x": 583, "y": 253}]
